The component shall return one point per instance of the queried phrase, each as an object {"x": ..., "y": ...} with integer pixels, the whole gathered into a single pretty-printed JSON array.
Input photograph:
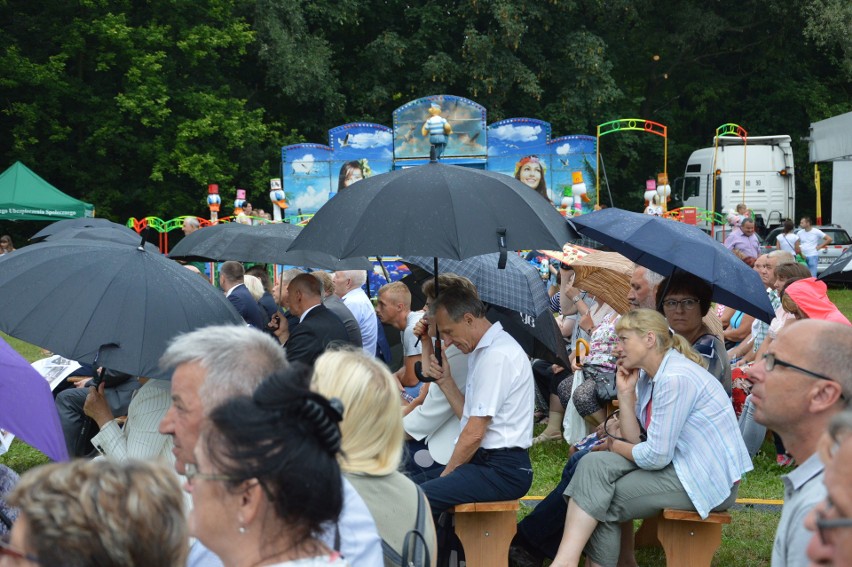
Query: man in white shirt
[
  {"x": 394, "y": 309},
  {"x": 810, "y": 241},
  {"x": 490, "y": 460},
  {"x": 347, "y": 286}
]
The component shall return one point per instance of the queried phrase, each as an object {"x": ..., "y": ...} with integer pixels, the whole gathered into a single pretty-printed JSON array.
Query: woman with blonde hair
[
  {"x": 677, "y": 444},
  {"x": 100, "y": 513},
  {"x": 371, "y": 449}
]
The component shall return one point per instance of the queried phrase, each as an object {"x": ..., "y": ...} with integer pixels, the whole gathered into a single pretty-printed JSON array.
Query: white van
[{"x": 759, "y": 172}]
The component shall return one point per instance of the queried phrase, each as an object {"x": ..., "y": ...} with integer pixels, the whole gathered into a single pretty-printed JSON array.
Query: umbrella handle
[
  {"x": 418, "y": 371},
  {"x": 581, "y": 343}
]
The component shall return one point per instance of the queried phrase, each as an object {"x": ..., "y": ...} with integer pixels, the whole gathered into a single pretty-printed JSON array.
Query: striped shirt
[
  {"x": 759, "y": 329},
  {"x": 693, "y": 426}
]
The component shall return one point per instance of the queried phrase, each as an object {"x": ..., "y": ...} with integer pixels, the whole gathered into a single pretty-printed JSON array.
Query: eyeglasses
[
  {"x": 191, "y": 473},
  {"x": 688, "y": 304},
  {"x": 824, "y": 525},
  {"x": 771, "y": 362},
  {"x": 6, "y": 550}
]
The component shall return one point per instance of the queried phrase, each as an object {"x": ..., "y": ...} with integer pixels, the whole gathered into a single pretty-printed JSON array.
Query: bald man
[{"x": 318, "y": 327}]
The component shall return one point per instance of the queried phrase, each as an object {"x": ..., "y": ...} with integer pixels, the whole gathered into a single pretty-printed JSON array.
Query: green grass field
[{"x": 746, "y": 542}]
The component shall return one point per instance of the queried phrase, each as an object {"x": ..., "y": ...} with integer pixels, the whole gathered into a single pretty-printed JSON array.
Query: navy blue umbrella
[
  {"x": 664, "y": 245},
  {"x": 840, "y": 271}
]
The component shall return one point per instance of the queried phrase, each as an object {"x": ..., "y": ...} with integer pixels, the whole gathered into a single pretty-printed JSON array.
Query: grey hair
[
  {"x": 458, "y": 300},
  {"x": 358, "y": 277},
  {"x": 235, "y": 359},
  {"x": 782, "y": 256},
  {"x": 652, "y": 278},
  {"x": 192, "y": 221},
  {"x": 288, "y": 275}
]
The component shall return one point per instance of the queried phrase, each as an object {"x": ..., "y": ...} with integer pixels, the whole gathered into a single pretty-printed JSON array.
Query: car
[{"x": 840, "y": 241}]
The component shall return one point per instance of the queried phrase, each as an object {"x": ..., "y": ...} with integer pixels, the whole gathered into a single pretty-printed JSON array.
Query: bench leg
[
  {"x": 646, "y": 535},
  {"x": 486, "y": 537},
  {"x": 689, "y": 543}
]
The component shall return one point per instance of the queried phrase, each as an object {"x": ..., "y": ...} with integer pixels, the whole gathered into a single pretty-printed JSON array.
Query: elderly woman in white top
[{"x": 678, "y": 445}]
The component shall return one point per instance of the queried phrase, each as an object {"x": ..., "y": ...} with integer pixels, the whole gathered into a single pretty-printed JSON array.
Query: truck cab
[{"x": 759, "y": 172}]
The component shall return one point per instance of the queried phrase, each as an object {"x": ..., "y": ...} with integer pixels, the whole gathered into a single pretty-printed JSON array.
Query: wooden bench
[
  {"x": 486, "y": 530},
  {"x": 684, "y": 536}
]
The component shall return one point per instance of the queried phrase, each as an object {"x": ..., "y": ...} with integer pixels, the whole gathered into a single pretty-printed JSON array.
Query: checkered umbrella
[{"x": 517, "y": 296}]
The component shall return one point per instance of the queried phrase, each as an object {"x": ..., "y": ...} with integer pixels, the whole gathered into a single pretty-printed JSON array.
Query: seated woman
[
  {"x": 807, "y": 299},
  {"x": 598, "y": 367},
  {"x": 98, "y": 513},
  {"x": 267, "y": 478},
  {"x": 372, "y": 447},
  {"x": 684, "y": 300},
  {"x": 690, "y": 456}
]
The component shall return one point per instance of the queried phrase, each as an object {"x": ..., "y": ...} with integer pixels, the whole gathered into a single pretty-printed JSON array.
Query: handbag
[
  {"x": 605, "y": 389},
  {"x": 415, "y": 552}
]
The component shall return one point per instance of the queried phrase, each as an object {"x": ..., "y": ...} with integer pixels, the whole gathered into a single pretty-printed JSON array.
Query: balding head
[
  {"x": 347, "y": 280},
  {"x": 799, "y": 402},
  {"x": 304, "y": 292}
]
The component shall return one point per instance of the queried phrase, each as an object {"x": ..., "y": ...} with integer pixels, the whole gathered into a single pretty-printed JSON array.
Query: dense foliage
[{"x": 136, "y": 106}]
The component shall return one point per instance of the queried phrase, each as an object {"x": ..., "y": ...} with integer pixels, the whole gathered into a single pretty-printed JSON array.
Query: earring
[{"x": 242, "y": 529}]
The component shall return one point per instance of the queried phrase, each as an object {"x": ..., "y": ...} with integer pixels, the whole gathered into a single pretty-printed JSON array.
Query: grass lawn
[{"x": 746, "y": 542}]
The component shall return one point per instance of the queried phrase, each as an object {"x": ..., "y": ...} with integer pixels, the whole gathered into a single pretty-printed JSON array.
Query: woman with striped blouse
[{"x": 677, "y": 444}]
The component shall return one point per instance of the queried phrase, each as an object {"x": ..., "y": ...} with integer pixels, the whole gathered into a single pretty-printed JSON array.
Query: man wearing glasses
[
  {"x": 797, "y": 387},
  {"x": 830, "y": 521}
]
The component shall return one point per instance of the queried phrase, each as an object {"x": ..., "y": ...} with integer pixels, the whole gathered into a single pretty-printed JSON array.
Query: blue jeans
[{"x": 813, "y": 263}]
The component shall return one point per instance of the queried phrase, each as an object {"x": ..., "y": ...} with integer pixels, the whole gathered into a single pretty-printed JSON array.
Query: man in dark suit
[
  {"x": 231, "y": 281},
  {"x": 318, "y": 327},
  {"x": 339, "y": 308}
]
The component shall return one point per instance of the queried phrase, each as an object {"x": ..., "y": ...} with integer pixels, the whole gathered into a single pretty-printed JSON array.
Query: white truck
[{"x": 759, "y": 172}]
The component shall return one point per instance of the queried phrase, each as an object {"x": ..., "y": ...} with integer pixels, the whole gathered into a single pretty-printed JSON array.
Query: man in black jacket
[
  {"x": 231, "y": 281},
  {"x": 318, "y": 327}
]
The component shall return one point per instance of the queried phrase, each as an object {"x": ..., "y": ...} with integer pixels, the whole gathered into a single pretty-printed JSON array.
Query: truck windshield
[{"x": 690, "y": 187}]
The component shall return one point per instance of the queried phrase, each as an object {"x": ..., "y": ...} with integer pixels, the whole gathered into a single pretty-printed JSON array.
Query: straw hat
[{"x": 606, "y": 275}]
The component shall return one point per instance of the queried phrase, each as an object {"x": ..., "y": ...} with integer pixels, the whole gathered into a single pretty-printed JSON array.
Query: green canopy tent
[{"x": 26, "y": 196}]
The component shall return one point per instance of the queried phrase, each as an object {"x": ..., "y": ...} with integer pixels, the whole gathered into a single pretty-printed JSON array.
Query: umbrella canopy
[
  {"x": 516, "y": 297},
  {"x": 109, "y": 233},
  {"x": 77, "y": 298},
  {"x": 435, "y": 210},
  {"x": 59, "y": 226},
  {"x": 518, "y": 287},
  {"x": 839, "y": 271},
  {"x": 665, "y": 245},
  {"x": 265, "y": 244},
  {"x": 26, "y": 405}
]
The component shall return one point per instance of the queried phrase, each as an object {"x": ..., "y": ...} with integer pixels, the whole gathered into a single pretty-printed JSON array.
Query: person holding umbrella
[{"x": 490, "y": 460}]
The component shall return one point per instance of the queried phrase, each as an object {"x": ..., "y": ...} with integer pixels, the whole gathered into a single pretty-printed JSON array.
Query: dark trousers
[
  {"x": 418, "y": 464},
  {"x": 491, "y": 475},
  {"x": 69, "y": 404},
  {"x": 541, "y": 531}
]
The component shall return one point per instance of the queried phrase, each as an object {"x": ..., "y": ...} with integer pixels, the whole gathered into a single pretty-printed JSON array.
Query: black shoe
[{"x": 520, "y": 557}]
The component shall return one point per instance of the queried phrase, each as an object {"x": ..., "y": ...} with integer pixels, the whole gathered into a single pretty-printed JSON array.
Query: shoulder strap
[{"x": 415, "y": 552}]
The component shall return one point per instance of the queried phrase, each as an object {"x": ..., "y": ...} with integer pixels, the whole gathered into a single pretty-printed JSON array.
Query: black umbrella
[
  {"x": 119, "y": 303},
  {"x": 435, "y": 210},
  {"x": 263, "y": 244},
  {"x": 109, "y": 233},
  {"x": 839, "y": 271},
  {"x": 535, "y": 330},
  {"x": 67, "y": 224},
  {"x": 664, "y": 245}
]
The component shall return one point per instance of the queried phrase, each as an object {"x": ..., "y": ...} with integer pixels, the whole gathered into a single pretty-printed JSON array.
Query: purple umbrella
[{"x": 26, "y": 405}]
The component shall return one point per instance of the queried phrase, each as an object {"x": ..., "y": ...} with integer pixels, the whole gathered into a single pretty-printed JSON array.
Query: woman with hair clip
[
  {"x": 372, "y": 450},
  {"x": 267, "y": 478},
  {"x": 677, "y": 445}
]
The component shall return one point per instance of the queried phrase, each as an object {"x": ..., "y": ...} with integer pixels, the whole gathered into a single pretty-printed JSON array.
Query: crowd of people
[{"x": 295, "y": 444}]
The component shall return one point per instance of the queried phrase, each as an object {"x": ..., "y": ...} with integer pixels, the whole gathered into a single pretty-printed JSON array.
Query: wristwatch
[{"x": 576, "y": 298}]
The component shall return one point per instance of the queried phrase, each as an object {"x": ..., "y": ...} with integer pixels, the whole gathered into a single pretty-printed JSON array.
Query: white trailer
[{"x": 759, "y": 172}]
